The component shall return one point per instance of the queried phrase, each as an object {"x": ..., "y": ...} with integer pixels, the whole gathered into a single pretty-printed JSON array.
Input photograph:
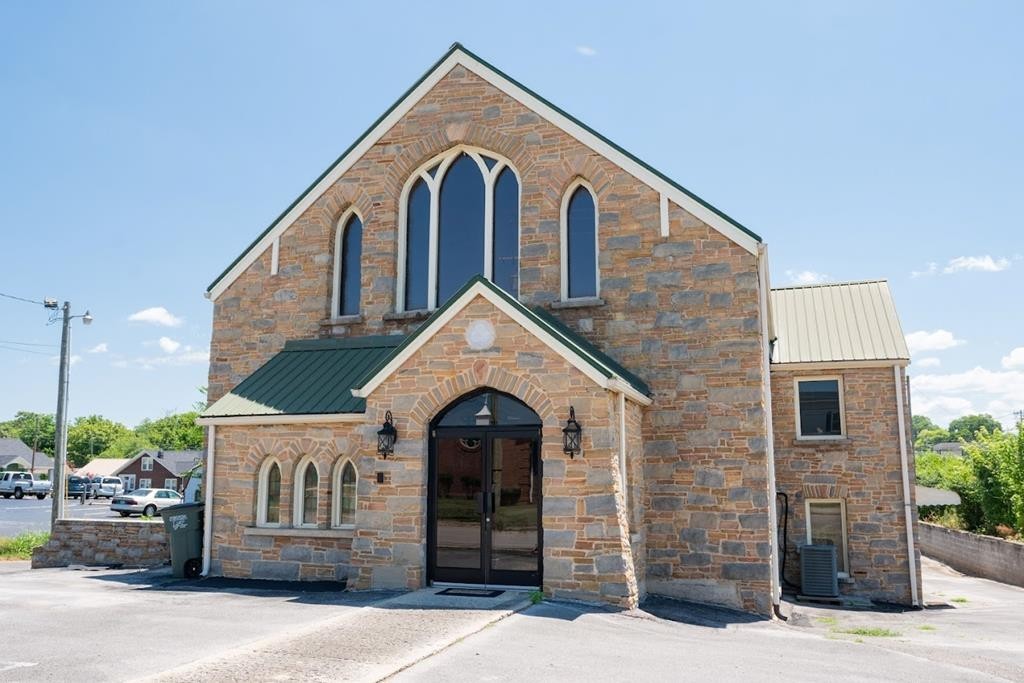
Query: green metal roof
[
  {"x": 308, "y": 377},
  {"x": 458, "y": 47},
  {"x": 602, "y": 362}
]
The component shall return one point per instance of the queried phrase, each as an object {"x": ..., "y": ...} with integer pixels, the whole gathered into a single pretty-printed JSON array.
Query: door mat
[{"x": 470, "y": 592}]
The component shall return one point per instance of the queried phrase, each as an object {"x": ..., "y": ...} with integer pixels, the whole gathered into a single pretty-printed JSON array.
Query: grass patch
[
  {"x": 871, "y": 632},
  {"x": 926, "y": 627},
  {"x": 959, "y": 600},
  {"x": 20, "y": 547},
  {"x": 827, "y": 621},
  {"x": 536, "y": 597}
]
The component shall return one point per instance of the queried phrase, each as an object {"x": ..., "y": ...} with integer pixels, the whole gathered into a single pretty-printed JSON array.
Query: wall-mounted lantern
[
  {"x": 571, "y": 434},
  {"x": 387, "y": 435}
]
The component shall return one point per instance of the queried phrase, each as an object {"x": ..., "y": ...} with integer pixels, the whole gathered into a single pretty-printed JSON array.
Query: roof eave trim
[
  {"x": 841, "y": 364},
  {"x": 280, "y": 419},
  {"x": 459, "y": 56}
]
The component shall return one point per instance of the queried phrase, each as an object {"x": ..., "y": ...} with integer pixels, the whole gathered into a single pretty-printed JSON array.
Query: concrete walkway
[{"x": 370, "y": 644}]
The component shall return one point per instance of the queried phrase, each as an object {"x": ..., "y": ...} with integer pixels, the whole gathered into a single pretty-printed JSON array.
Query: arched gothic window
[
  {"x": 459, "y": 218},
  {"x": 345, "y": 495},
  {"x": 579, "y": 243},
  {"x": 307, "y": 494},
  {"x": 268, "y": 506},
  {"x": 348, "y": 265}
]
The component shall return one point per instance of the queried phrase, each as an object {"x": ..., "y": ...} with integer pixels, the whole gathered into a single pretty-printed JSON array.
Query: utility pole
[{"x": 35, "y": 446}]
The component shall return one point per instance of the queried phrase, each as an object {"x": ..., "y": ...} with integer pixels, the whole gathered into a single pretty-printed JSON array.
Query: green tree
[
  {"x": 173, "y": 433},
  {"x": 968, "y": 427},
  {"x": 953, "y": 474},
  {"x": 31, "y": 428},
  {"x": 927, "y": 439},
  {"x": 126, "y": 446},
  {"x": 998, "y": 461},
  {"x": 89, "y": 436},
  {"x": 919, "y": 423}
]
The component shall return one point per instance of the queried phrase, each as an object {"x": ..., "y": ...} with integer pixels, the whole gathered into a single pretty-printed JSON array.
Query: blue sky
[{"x": 144, "y": 145}]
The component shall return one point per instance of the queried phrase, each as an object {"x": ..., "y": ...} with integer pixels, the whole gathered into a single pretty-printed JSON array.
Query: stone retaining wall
[
  {"x": 130, "y": 542},
  {"x": 985, "y": 556}
]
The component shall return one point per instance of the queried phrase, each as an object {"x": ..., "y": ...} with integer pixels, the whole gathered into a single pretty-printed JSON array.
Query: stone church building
[{"x": 489, "y": 346}]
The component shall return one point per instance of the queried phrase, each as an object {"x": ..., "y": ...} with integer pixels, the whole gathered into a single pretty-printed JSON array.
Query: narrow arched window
[
  {"x": 307, "y": 484},
  {"x": 460, "y": 237},
  {"x": 268, "y": 510},
  {"x": 460, "y": 219},
  {"x": 417, "y": 247},
  {"x": 579, "y": 240},
  {"x": 345, "y": 495},
  {"x": 350, "y": 263}
]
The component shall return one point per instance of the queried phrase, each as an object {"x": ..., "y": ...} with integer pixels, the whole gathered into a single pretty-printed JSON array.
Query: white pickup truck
[{"x": 21, "y": 484}]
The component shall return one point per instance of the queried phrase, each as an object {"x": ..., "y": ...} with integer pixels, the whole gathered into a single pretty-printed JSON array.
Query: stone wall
[
  {"x": 863, "y": 469},
  {"x": 985, "y": 556},
  {"x": 128, "y": 542},
  {"x": 287, "y": 553},
  {"x": 681, "y": 311}
]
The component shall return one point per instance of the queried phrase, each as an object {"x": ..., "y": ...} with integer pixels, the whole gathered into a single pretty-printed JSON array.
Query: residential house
[
  {"x": 159, "y": 469},
  {"x": 488, "y": 346},
  {"x": 16, "y": 455},
  {"x": 102, "y": 467}
]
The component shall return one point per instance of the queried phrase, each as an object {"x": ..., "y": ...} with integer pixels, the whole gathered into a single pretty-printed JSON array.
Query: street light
[{"x": 61, "y": 440}]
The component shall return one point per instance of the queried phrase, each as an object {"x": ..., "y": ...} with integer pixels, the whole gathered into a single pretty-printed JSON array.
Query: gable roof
[
  {"x": 308, "y": 377},
  {"x": 103, "y": 467},
  {"x": 604, "y": 370},
  {"x": 176, "y": 462},
  {"x": 840, "y": 322},
  {"x": 457, "y": 55},
  {"x": 14, "y": 447}
]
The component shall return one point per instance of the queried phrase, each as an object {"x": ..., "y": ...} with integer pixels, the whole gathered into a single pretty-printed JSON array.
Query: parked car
[
  {"x": 21, "y": 484},
  {"x": 146, "y": 502},
  {"x": 77, "y": 486},
  {"x": 107, "y": 487}
]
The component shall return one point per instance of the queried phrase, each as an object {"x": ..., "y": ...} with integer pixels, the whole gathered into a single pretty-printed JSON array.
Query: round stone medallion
[{"x": 480, "y": 335}]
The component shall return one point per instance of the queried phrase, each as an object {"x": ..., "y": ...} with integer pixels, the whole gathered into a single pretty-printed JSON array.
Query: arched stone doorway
[{"x": 484, "y": 498}]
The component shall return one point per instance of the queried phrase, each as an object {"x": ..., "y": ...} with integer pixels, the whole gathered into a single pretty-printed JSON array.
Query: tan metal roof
[
  {"x": 102, "y": 467},
  {"x": 845, "y": 321}
]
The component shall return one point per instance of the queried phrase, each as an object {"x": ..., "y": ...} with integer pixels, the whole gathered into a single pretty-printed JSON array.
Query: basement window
[
  {"x": 826, "y": 525},
  {"x": 819, "y": 409}
]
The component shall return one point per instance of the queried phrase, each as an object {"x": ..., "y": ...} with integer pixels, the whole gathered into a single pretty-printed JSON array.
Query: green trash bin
[{"x": 184, "y": 526}]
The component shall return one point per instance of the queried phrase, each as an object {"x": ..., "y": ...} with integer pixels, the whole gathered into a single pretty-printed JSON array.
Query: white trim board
[
  {"x": 275, "y": 419},
  {"x": 571, "y": 356},
  {"x": 553, "y": 116}
]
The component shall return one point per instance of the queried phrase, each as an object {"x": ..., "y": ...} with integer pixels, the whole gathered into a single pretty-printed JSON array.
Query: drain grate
[{"x": 470, "y": 592}]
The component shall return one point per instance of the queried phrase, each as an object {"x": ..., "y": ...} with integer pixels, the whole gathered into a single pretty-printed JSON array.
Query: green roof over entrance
[{"x": 308, "y": 377}]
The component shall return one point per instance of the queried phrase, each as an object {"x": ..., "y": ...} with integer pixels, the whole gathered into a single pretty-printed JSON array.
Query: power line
[
  {"x": 15, "y": 348},
  {"x": 21, "y": 298},
  {"x": 18, "y": 343}
]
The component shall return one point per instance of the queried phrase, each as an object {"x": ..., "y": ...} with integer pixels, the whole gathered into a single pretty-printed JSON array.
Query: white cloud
[
  {"x": 930, "y": 269},
  {"x": 586, "y": 50},
  {"x": 99, "y": 348},
  {"x": 157, "y": 315},
  {"x": 939, "y": 340},
  {"x": 929, "y": 362},
  {"x": 806, "y": 277},
  {"x": 169, "y": 345},
  {"x": 1015, "y": 359},
  {"x": 947, "y": 396},
  {"x": 74, "y": 360},
  {"x": 179, "y": 357},
  {"x": 985, "y": 264}
]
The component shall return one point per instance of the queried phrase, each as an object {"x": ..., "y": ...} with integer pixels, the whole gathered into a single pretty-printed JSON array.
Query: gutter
[
  {"x": 211, "y": 448},
  {"x": 908, "y": 510},
  {"x": 766, "y": 393}
]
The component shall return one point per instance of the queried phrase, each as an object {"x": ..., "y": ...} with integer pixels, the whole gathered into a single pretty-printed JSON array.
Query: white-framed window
[
  {"x": 458, "y": 217},
  {"x": 579, "y": 247},
  {"x": 147, "y": 463},
  {"x": 826, "y": 525},
  {"x": 307, "y": 494},
  {"x": 145, "y": 483},
  {"x": 268, "y": 493},
  {"x": 819, "y": 407},
  {"x": 129, "y": 482},
  {"x": 348, "y": 265},
  {"x": 343, "y": 508},
  {"x": 171, "y": 483}
]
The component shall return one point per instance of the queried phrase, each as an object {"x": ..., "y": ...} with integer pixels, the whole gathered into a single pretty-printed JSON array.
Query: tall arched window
[
  {"x": 579, "y": 243},
  {"x": 348, "y": 265},
  {"x": 345, "y": 495},
  {"x": 268, "y": 499},
  {"x": 307, "y": 494},
  {"x": 459, "y": 218}
]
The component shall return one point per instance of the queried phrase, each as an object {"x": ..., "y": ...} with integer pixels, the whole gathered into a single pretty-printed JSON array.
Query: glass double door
[{"x": 485, "y": 505}]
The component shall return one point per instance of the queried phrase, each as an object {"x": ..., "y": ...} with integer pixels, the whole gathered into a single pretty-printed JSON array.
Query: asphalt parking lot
[
  {"x": 130, "y": 625},
  {"x": 32, "y": 514}
]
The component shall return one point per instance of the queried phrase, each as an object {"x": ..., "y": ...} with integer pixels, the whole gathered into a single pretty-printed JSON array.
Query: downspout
[
  {"x": 908, "y": 511},
  {"x": 622, "y": 454},
  {"x": 766, "y": 397},
  {"x": 208, "y": 510}
]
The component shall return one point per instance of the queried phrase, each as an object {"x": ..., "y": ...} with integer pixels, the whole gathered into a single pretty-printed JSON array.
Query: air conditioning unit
[{"x": 819, "y": 575}]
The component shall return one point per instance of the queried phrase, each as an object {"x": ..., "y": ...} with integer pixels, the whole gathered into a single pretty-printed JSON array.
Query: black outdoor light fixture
[
  {"x": 571, "y": 434},
  {"x": 387, "y": 435}
]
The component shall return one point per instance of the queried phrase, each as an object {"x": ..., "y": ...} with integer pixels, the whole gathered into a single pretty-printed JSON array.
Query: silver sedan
[{"x": 145, "y": 502}]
